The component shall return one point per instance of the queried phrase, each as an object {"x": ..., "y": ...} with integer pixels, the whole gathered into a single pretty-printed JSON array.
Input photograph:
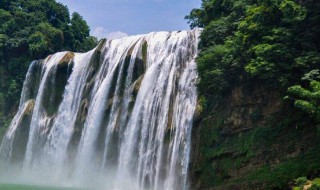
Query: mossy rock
[
  {"x": 137, "y": 85},
  {"x": 55, "y": 88},
  {"x": 67, "y": 58},
  {"x": 145, "y": 52},
  {"x": 22, "y": 133},
  {"x": 101, "y": 44},
  {"x": 30, "y": 107}
]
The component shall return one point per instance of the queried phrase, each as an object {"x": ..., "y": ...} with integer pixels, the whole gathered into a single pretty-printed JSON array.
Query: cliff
[{"x": 253, "y": 140}]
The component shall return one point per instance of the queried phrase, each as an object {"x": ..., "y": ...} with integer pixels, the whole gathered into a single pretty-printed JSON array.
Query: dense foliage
[
  {"x": 253, "y": 53},
  {"x": 32, "y": 29},
  {"x": 267, "y": 42},
  {"x": 308, "y": 100}
]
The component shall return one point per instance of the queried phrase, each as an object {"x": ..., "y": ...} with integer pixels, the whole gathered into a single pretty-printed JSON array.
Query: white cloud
[
  {"x": 116, "y": 35},
  {"x": 101, "y": 32}
]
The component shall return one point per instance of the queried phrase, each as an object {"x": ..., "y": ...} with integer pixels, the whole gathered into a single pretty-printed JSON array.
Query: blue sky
[{"x": 118, "y": 18}]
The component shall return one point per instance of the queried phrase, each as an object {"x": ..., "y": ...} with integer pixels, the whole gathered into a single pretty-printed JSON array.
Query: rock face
[
  {"x": 17, "y": 135},
  {"x": 253, "y": 140}
]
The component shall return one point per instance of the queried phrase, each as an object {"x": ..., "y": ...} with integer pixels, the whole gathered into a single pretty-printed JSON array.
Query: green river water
[{"x": 30, "y": 187}]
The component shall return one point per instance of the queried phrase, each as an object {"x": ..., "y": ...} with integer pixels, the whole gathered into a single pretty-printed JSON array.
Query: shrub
[
  {"x": 315, "y": 187},
  {"x": 300, "y": 181}
]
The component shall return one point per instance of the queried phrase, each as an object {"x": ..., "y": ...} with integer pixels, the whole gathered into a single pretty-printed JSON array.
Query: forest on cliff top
[
  {"x": 271, "y": 42},
  {"x": 31, "y": 30},
  {"x": 259, "y": 93}
]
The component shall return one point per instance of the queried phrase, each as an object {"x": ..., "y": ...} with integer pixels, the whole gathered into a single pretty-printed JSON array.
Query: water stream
[{"x": 118, "y": 117}]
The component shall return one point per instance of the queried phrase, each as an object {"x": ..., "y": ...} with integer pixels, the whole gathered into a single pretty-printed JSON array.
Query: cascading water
[{"x": 117, "y": 117}]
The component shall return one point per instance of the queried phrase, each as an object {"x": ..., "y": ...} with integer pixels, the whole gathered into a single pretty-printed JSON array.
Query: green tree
[
  {"x": 32, "y": 30},
  {"x": 269, "y": 42},
  {"x": 307, "y": 99}
]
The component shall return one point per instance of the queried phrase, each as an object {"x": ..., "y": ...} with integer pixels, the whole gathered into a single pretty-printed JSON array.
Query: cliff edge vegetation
[
  {"x": 258, "y": 119},
  {"x": 31, "y": 30}
]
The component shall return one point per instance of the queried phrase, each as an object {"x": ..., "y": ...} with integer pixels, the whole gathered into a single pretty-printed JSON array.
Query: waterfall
[{"x": 117, "y": 117}]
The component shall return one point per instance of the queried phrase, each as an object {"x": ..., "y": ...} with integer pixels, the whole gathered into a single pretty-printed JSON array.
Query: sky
[{"x": 119, "y": 18}]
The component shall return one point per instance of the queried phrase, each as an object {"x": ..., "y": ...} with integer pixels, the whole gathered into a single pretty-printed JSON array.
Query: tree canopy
[
  {"x": 33, "y": 29},
  {"x": 271, "y": 42}
]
